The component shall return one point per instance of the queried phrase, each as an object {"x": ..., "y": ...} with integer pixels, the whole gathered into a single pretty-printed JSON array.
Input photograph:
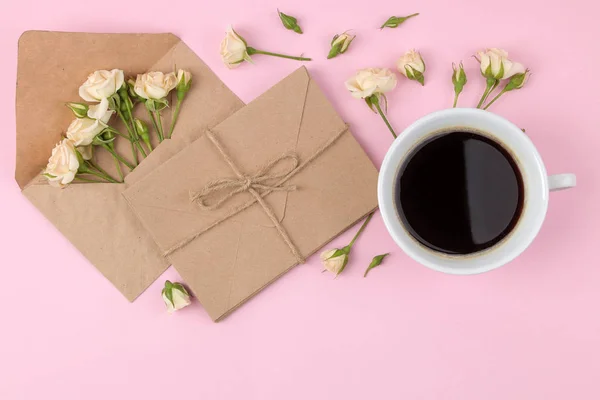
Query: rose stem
[
  {"x": 158, "y": 133},
  {"x": 375, "y": 101},
  {"x": 362, "y": 228},
  {"x": 494, "y": 99},
  {"x": 175, "y": 116},
  {"x": 118, "y": 157},
  {"x": 132, "y": 138},
  {"x": 87, "y": 180},
  {"x": 490, "y": 86},
  {"x": 99, "y": 175},
  {"x": 252, "y": 50},
  {"x": 160, "y": 125},
  {"x": 110, "y": 178},
  {"x": 137, "y": 137}
]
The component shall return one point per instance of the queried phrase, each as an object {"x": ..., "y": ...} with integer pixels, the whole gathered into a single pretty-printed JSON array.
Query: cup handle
[{"x": 561, "y": 181}]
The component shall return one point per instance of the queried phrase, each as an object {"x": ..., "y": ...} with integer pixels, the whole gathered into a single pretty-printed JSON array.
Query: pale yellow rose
[
  {"x": 62, "y": 165},
  {"x": 233, "y": 49},
  {"x": 495, "y": 64},
  {"x": 369, "y": 81},
  {"x": 412, "y": 66},
  {"x": 175, "y": 296},
  {"x": 336, "y": 264},
  {"x": 101, "y": 85},
  {"x": 155, "y": 85}
]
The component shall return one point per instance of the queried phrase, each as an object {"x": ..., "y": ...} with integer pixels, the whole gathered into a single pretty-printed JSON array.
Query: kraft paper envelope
[
  {"x": 229, "y": 253},
  {"x": 95, "y": 217}
]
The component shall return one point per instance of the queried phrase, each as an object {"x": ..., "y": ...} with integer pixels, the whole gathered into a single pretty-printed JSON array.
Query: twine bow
[
  {"x": 257, "y": 182},
  {"x": 257, "y": 185}
]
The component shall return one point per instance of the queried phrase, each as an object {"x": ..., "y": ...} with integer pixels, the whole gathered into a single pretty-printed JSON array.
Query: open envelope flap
[
  {"x": 233, "y": 259},
  {"x": 95, "y": 217},
  {"x": 51, "y": 66},
  {"x": 117, "y": 244}
]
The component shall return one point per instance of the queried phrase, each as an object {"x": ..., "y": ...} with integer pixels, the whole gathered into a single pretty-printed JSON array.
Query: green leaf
[
  {"x": 168, "y": 293},
  {"x": 335, "y": 51},
  {"x": 377, "y": 260},
  {"x": 337, "y": 253},
  {"x": 289, "y": 22},
  {"x": 394, "y": 22},
  {"x": 369, "y": 101}
]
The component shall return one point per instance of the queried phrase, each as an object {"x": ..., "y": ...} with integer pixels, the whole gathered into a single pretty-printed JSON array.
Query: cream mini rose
[
  {"x": 82, "y": 131},
  {"x": 495, "y": 64},
  {"x": 62, "y": 165},
  {"x": 101, "y": 85},
  {"x": 155, "y": 85},
  {"x": 412, "y": 66},
  {"x": 175, "y": 296},
  {"x": 369, "y": 81},
  {"x": 335, "y": 265},
  {"x": 233, "y": 49}
]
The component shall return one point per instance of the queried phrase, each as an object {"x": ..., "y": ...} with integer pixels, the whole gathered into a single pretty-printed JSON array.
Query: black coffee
[{"x": 459, "y": 193}]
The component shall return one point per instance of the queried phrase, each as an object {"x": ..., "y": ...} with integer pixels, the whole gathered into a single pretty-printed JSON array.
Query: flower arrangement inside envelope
[
  {"x": 74, "y": 168},
  {"x": 257, "y": 194}
]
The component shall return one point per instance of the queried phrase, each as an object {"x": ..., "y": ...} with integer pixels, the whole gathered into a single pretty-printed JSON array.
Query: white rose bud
[
  {"x": 101, "y": 85},
  {"x": 336, "y": 264},
  {"x": 155, "y": 85},
  {"x": 495, "y": 64},
  {"x": 175, "y": 296},
  {"x": 412, "y": 66},
  {"x": 233, "y": 49},
  {"x": 62, "y": 165},
  {"x": 184, "y": 81},
  {"x": 340, "y": 44},
  {"x": 369, "y": 81}
]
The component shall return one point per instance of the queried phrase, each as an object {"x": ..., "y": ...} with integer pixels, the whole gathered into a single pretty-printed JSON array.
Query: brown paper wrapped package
[
  {"x": 228, "y": 254},
  {"x": 95, "y": 217}
]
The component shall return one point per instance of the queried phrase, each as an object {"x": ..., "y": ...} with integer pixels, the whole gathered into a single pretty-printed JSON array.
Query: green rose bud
[
  {"x": 143, "y": 131},
  {"x": 459, "y": 78},
  {"x": 340, "y": 44},
  {"x": 175, "y": 296},
  {"x": 289, "y": 22},
  {"x": 394, "y": 22},
  {"x": 79, "y": 109},
  {"x": 517, "y": 81}
]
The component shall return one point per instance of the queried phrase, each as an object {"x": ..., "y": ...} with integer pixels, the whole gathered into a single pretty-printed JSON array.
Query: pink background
[{"x": 530, "y": 330}]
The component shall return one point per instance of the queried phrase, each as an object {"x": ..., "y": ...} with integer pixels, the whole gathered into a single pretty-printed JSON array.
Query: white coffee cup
[{"x": 537, "y": 185}]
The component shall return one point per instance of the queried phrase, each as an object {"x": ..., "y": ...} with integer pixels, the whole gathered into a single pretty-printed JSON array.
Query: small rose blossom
[
  {"x": 233, "y": 49},
  {"x": 369, "y": 81},
  {"x": 82, "y": 131},
  {"x": 101, "y": 85},
  {"x": 155, "y": 85},
  {"x": 340, "y": 44},
  {"x": 62, "y": 165},
  {"x": 412, "y": 66},
  {"x": 335, "y": 265},
  {"x": 495, "y": 64},
  {"x": 175, "y": 296},
  {"x": 183, "y": 78}
]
